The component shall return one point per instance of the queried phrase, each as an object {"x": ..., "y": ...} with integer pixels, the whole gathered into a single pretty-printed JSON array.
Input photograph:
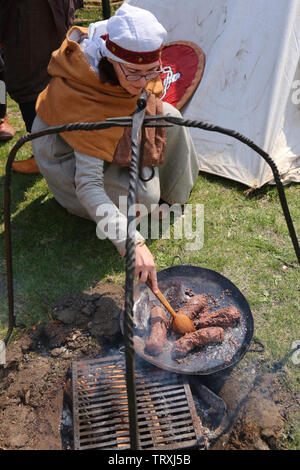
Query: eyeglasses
[{"x": 131, "y": 77}]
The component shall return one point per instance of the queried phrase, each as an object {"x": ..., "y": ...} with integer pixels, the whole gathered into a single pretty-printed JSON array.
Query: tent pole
[{"x": 106, "y": 10}]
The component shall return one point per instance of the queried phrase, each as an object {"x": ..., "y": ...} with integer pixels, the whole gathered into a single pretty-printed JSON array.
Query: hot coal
[
  {"x": 223, "y": 317},
  {"x": 158, "y": 334},
  {"x": 198, "y": 338}
]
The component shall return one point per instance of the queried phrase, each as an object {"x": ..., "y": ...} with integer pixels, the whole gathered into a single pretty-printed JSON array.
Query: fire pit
[
  {"x": 166, "y": 412},
  {"x": 167, "y": 418}
]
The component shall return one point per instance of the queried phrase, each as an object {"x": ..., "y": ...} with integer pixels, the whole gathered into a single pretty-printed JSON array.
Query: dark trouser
[
  {"x": 27, "y": 109},
  {"x": 30, "y": 36},
  {"x": 33, "y": 29},
  {"x": 2, "y": 90},
  {"x": 28, "y": 113}
]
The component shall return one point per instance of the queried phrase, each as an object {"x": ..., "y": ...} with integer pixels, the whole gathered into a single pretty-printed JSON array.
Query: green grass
[
  {"x": 84, "y": 16},
  {"x": 246, "y": 240}
]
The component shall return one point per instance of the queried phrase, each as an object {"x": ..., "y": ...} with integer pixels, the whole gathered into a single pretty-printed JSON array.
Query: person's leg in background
[
  {"x": 6, "y": 130},
  {"x": 28, "y": 166},
  {"x": 28, "y": 113},
  {"x": 32, "y": 30}
]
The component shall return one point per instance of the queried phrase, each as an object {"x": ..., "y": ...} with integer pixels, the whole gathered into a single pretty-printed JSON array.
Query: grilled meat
[
  {"x": 198, "y": 338},
  {"x": 159, "y": 326},
  {"x": 194, "y": 306},
  {"x": 224, "y": 317}
]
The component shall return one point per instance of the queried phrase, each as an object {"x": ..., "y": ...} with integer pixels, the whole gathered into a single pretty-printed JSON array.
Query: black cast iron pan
[{"x": 221, "y": 292}]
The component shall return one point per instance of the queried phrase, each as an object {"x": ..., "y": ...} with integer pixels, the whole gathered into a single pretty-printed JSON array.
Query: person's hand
[{"x": 145, "y": 266}]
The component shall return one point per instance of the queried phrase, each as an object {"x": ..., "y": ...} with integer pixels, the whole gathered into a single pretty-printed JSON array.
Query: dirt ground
[{"x": 35, "y": 381}]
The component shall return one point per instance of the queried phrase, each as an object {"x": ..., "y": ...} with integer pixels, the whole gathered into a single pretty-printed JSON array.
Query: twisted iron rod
[
  {"x": 149, "y": 121},
  {"x": 84, "y": 126},
  {"x": 136, "y": 121}
]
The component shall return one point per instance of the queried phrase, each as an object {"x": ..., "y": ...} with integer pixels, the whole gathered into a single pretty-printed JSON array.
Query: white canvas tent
[{"x": 251, "y": 82}]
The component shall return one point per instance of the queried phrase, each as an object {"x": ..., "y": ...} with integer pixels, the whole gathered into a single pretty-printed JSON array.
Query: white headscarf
[{"x": 132, "y": 28}]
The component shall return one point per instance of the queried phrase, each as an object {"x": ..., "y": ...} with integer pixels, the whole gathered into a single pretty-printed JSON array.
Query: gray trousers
[{"x": 172, "y": 181}]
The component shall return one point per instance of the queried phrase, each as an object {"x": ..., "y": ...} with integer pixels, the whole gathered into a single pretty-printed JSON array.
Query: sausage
[
  {"x": 198, "y": 338},
  {"x": 158, "y": 334},
  {"x": 193, "y": 306},
  {"x": 223, "y": 317}
]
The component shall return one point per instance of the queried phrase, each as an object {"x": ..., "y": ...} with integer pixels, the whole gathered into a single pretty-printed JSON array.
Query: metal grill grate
[{"x": 166, "y": 413}]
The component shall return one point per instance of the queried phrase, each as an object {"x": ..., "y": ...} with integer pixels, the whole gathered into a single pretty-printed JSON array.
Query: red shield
[{"x": 183, "y": 63}]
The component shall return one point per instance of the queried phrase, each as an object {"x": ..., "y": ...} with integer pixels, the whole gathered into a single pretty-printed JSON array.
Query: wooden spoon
[{"x": 181, "y": 323}]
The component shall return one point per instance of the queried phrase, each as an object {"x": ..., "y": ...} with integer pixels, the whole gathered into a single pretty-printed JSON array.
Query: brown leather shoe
[
  {"x": 28, "y": 166},
  {"x": 6, "y": 130}
]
